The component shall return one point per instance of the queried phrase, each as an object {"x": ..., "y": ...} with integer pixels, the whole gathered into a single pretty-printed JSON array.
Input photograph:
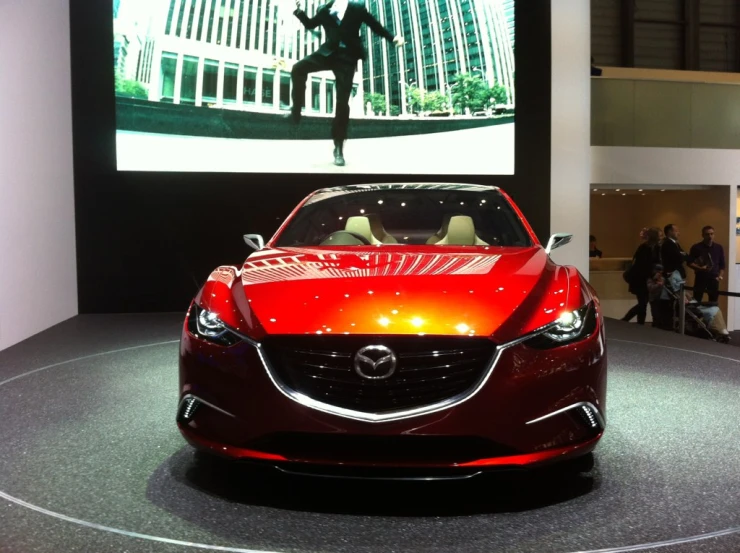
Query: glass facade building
[
  {"x": 509, "y": 14},
  {"x": 238, "y": 53},
  {"x": 133, "y": 44},
  {"x": 444, "y": 38}
]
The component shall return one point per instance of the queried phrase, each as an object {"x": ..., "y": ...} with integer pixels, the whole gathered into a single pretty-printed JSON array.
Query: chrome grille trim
[
  {"x": 393, "y": 416},
  {"x": 332, "y": 354},
  {"x": 445, "y": 375},
  {"x": 311, "y": 403},
  {"x": 433, "y": 354}
]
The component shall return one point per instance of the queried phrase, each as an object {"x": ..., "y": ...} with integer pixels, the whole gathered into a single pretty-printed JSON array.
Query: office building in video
[
  {"x": 445, "y": 38},
  {"x": 238, "y": 53}
]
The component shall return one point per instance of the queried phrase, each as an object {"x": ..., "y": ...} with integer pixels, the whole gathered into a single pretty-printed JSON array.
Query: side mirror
[
  {"x": 557, "y": 240},
  {"x": 254, "y": 241}
]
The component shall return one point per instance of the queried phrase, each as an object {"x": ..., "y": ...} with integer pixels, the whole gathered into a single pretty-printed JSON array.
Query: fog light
[{"x": 188, "y": 406}]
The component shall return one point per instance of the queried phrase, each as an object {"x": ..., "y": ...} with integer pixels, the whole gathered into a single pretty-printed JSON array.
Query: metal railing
[{"x": 682, "y": 304}]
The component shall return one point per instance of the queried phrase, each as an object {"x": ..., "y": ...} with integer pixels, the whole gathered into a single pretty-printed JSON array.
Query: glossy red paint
[
  {"x": 530, "y": 459},
  {"x": 503, "y": 292},
  {"x": 500, "y": 294},
  {"x": 223, "y": 294},
  {"x": 227, "y": 450}
]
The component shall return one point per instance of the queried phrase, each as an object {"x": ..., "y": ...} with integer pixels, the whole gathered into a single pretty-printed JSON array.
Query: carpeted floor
[{"x": 91, "y": 460}]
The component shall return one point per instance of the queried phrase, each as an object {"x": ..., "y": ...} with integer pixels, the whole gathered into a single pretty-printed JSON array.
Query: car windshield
[{"x": 441, "y": 217}]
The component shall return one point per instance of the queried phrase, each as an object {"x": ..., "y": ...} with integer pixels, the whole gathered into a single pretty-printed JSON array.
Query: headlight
[
  {"x": 570, "y": 327},
  {"x": 207, "y": 326}
]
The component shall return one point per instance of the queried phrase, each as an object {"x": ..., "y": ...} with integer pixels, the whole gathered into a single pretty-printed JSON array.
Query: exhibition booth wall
[
  {"x": 38, "y": 265},
  {"x": 736, "y": 229},
  {"x": 665, "y": 109},
  {"x": 663, "y": 130}
]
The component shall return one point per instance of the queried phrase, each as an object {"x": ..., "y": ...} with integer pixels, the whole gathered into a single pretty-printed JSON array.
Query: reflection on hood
[{"x": 286, "y": 264}]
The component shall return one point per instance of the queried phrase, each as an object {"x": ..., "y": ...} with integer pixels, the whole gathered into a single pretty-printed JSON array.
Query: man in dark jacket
[
  {"x": 671, "y": 252},
  {"x": 342, "y": 21},
  {"x": 708, "y": 261},
  {"x": 643, "y": 263}
]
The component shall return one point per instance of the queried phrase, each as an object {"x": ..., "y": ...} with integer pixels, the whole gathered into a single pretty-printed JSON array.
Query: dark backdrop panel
[{"x": 147, "y": 241}]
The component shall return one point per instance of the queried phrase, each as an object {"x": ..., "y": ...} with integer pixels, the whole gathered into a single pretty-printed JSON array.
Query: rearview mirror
[
  {"x": 254, "y": 241},
  {"x": 557, "y": 240}
]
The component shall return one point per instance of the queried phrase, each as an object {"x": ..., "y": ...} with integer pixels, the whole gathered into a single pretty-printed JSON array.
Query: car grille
[{"x": 429, "y": 369}]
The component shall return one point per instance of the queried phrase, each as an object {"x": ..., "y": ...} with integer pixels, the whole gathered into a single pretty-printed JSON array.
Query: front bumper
[{"x": 537, "y": 407}]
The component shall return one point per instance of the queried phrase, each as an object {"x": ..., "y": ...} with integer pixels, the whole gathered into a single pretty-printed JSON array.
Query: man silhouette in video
[{"x": 341, "y": 21}]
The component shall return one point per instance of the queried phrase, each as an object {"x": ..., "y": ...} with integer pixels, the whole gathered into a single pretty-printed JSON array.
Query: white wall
[
  {"x": 644, "y": 165},
  {"x": 571, "y": 129},
  {"x": 731, "y": 273},
  {"x": 38, "y": 276}
]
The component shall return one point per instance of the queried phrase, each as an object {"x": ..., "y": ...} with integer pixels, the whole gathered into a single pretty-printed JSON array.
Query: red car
[{"x": 418, "y": 330}]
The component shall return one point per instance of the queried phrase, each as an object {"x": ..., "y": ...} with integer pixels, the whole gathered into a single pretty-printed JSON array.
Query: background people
[
  {"x": 707, "y": 259},
  {"x": 671, "y": 252},
  {"x": 593, "y": 250},
  {"x": 645, "y": 258}
]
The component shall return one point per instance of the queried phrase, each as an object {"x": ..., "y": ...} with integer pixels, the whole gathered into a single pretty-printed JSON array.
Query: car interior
[
  {"x": 407, "y": 218},
  {"x": 456, "y": 230}
]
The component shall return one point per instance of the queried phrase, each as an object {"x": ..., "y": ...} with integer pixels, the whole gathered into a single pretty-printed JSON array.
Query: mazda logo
[{"x": 375, "y": 362}]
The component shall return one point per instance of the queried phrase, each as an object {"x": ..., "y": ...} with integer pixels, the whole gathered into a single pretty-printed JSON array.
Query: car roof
[
  {"x": 334, "y": 191},
  {"x": 409, "y": 186}
]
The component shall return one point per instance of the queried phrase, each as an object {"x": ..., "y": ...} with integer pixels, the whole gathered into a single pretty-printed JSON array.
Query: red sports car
[{"x": 418, "y": 330}]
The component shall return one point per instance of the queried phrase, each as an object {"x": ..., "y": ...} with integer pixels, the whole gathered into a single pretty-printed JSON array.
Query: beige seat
[
  {"x": 437, "y": 236},
  {"x": 461, "y": 232},
  {"x": 361, "y": 225},
  {"x": 379, "y": 232}
]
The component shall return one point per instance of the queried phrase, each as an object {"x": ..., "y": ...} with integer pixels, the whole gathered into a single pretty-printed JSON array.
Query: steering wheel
[{"x": 356, "y": 235}]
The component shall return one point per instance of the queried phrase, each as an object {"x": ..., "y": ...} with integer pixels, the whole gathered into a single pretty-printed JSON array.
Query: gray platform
[{"x": 91, "y": 460}]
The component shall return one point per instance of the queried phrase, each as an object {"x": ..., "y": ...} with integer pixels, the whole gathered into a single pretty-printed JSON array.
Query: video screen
[{"x": 306, "y": 86}]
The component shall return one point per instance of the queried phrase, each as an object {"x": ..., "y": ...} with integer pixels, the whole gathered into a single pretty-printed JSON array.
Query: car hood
[{"x": 389, "y": 290}]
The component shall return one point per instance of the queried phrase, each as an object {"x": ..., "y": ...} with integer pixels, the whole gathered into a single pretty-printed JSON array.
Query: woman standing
[{"x": 646, "y": 256}]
